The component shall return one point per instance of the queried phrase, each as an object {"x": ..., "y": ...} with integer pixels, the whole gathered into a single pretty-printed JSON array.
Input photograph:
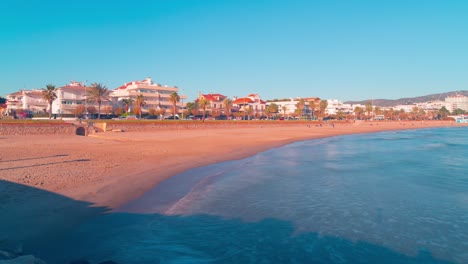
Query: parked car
[
  {"x": 132, "y": 117},
  {"x": 172, "y": 117},
  {"x": 152, "y": 117},
  {"x": 221, "y": 117}
]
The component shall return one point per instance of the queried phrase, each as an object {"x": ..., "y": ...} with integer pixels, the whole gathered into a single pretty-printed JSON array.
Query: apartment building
[
  {"x": 290, "y": 105},
  {"x": 456, "y": 102},
  {"x": 334, "y": 106},
  {"x": 70, "y": 96},
  {"x": 251, "y": 100},
  {"x": 26, "y": 100},
  {"x": 215, "y": 102},
  {"x": 156, "y": 95}
]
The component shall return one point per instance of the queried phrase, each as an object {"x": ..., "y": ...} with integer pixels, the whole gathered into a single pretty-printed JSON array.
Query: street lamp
[
  {"x": 86, "y": 101},
  {"x": 182, "y": 98}
]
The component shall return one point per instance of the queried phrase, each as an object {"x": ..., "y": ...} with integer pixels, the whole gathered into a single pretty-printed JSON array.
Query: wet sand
[{"x": 112, "y": 168}]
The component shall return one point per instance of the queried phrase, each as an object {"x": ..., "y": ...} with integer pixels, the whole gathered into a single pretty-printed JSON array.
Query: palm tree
[
  {"x": 249, "y": 112},
  {"x": 300, "y": 107},
  {"x": 140, "y": 102},
  {"x": 358, "y": 112},
  {"x": 202, "y": 104},
  {"x": 368, "y": 109},
  {"x": 49, "y": 95},
  {"x": 268, "y": 112},
  {"x": 227, "y": 105},
  {"x": 127, "y": 102},
  {"x": 323, "y": 106},
  {"x": 443, "y": 112},
  {"x": 191, "y": 106},
  {"x": 340, "y": 115},
  {"x": 414, "y": 113},
  {"x": 174, "y": 98},
  {"x": 98, "y": 93},
  {"x": 422, "y": 114},
  {"x": 402, "y": 114},
  {"x": 391, "y": 112},
  {"x": 312, "y": 108},
  {"x": 284, "y": 108},
  {"x": 272, "y": 109}
]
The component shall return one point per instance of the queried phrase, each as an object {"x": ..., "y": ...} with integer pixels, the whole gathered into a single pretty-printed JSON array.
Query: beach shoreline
[{"x": 112, "y": 168}]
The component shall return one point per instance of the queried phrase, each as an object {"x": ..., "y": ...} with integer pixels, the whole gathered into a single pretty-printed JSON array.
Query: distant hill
[{"x": 412, "y": 100}]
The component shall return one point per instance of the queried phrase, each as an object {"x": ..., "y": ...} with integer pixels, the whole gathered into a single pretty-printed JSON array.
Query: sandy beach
[{"x": 112, "y": 168}]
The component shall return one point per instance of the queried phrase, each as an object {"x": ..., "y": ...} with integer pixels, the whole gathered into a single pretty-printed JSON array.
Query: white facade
[
  {"x": 334, "y": 106},
  {"x": 406, "y": 108},
  {"x": 290, "y": 106},
  {"x": 156, "y": 96},
  {"x": 69, "y": 97},
  {"x": 431, "y": 105},
  {"x": 455, "y": 102},
  {"x": 252, "y": 100},
  {"x": 27, "y": 100}
]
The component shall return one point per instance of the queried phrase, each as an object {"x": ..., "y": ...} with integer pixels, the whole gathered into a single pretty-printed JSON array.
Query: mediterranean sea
[{"x": 390, "y": 197}]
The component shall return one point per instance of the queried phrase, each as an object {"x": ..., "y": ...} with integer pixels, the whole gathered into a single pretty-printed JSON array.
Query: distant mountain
[{"x": 412, "y": 100}]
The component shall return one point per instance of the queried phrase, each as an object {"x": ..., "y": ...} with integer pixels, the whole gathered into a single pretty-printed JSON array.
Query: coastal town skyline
[{"x": 332, "y": 49}]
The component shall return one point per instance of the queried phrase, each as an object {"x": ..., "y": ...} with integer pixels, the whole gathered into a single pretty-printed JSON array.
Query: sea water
[{"x": 390, "y": 197}]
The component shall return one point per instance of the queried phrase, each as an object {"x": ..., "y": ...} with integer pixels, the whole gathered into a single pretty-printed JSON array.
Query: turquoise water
[{"x": 392, "y": 197}]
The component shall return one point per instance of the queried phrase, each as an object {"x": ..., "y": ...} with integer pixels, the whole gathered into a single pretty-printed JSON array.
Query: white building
[
  {"x": 407, "y": 108},
  {"x": 431, "y": 105},
  {"x": 290, "y": 105},
  {"x": 334, "y": 106},
  {"x": 72, "y": 95},
  {"x": 31, "y": 101},
  {"x": 69, "y": 97},
  {"x": 456, "y": 102},
  {"x": 156, "y": 96},
  {"x": 251, "y": 100}
]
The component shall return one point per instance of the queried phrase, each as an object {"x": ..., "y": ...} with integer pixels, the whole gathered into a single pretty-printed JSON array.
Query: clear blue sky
[{"x": 347, "y": 50}]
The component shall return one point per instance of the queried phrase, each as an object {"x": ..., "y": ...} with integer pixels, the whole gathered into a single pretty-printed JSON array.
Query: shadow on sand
[
  {"x": 36, "y": 158},
  {"x": 60, "y": 230},
  {"x": 45, "y": 164}
]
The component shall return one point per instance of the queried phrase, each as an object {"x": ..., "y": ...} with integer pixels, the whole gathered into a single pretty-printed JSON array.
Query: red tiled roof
[
  {"x": 123, "y": 86},
  {"x": 130, "y": 83},
  {"x": 214, "y": 97},
  {"x": 73, "y": 87},
  {"x": 243, "y": 101}
]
